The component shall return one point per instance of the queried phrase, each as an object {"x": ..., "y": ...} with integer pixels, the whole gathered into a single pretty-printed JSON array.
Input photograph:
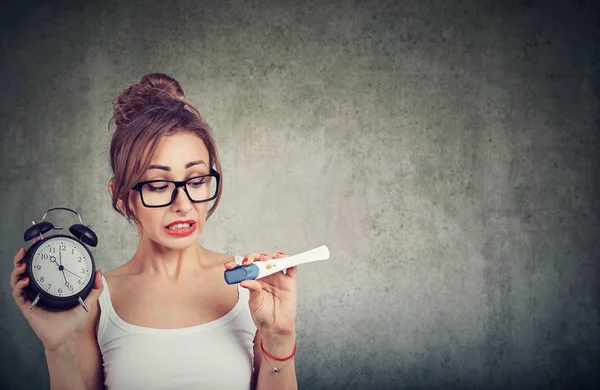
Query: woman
[{"x": 166, "y": 319}]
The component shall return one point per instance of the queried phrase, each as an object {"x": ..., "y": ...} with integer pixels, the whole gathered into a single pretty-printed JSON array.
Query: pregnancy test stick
[{"x": 260, "y": 269}]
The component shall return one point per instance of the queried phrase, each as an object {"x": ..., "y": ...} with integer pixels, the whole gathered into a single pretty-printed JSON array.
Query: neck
[{"x": 156, "y": 261}]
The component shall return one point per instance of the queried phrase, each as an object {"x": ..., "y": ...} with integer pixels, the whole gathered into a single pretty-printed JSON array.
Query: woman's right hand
[{"x": 54, "y": 329}]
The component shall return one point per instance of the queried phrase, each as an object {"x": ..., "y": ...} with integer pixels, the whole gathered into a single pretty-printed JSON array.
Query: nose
[{"x": 182, "y": 203}]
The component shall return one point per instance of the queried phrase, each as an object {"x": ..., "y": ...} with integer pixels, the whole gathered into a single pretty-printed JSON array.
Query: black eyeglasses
[{"x": 161, "y": 193}]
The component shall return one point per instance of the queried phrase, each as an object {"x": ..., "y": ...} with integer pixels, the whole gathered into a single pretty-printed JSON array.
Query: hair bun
[
  {"x": 153, "y": 89},
  {"x": 163, "y": 85}
]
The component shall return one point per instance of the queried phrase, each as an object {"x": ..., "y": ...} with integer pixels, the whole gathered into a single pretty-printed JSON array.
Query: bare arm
[
  {"x": 69, "y": 337},
  {"x": 63, "y": 367},
  {"x": 285, "y": 379},
  {"x": 91, "y": 362},
  {"x": 78, "y": 364}
]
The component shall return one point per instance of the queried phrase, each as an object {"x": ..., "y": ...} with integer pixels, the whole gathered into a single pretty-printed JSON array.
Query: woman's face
[{"x": 172, "y": 155}]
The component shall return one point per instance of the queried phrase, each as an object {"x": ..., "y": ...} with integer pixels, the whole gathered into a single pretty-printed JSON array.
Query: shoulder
[
  {"x": 115, "y": 273},
  {"x": 113, "y": 276},
  {"x": 216, "y": 258},
  {"x": 114, "y": 279}
]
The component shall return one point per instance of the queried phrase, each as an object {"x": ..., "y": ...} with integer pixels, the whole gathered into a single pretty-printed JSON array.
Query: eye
[
  {"x": 197, "y": 182},
  {"x": 157, "y": 187}
]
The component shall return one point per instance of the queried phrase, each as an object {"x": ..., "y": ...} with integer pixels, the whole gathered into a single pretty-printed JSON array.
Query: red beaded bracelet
[{"x": 275, "y": 357}]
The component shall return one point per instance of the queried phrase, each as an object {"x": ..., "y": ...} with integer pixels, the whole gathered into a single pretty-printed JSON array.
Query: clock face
[{"x": 62, "y": 266}]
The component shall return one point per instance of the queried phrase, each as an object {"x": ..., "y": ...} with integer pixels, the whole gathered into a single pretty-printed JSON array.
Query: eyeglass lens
[{"x": 160, "y": 193}]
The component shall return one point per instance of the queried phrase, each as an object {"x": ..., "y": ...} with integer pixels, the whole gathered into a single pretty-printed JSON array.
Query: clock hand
[
  {"x": 61, "y": 266},
  {"x": 73, "y": 273},
  {"x": 64, "y": 269},
  {"x": 60, "y": 258}
]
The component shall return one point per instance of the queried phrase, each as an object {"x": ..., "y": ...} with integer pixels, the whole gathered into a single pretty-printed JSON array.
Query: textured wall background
[{"x": 445, "y": 151}]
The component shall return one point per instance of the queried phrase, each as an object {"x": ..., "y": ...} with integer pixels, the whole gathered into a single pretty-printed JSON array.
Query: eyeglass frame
[{"x": 182, "y": 183}]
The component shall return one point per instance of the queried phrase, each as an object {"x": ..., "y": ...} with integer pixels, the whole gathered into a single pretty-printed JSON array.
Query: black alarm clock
[{"x": 60, "y": 267}]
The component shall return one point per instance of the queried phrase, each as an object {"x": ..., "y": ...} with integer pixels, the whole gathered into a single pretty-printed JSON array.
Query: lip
[
  {"x": 181, "y": 232},
  {"x": 190, "y": 221}
]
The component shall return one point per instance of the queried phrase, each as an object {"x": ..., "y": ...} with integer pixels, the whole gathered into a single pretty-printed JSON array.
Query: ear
[{"x": 111, "y": 188}]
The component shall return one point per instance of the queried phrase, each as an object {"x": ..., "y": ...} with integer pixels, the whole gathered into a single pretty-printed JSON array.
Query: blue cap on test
[{"x": 241, "y": 273}]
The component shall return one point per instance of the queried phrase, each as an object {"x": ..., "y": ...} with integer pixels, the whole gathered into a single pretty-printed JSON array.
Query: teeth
[{"x": 179, "y": 226}]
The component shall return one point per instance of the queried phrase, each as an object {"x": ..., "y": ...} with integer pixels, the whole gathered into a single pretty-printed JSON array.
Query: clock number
[
  {"x": 83, "y": 270},
  {"x": 79, "y": 281},
  {"x": 71, "y": 287},
  {"x": 49, "y": 285},
  {"x": 72, "y": 251},
  {"x": 42, "y": 279},
  {"x": 63, "y": 247},
  {"x": 60, "y": 290},
  {"x": 38, "y": 267},
  {"x": 79, "y": 259},
  {"x": 44, "y": 256},
  {"x": 52, "y": 249}
]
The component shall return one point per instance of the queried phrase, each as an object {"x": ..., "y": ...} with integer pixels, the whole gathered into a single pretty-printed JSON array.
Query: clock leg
[
  {"x": 82, "y": 303},
  {"x": 35, "y": 301}
]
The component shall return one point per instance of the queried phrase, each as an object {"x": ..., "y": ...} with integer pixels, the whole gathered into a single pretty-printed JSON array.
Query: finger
[
  {"x": 18, "y": 256},
  {"x": 36, "y": 239},
  {"x": 279, "y": 255},
  {"x": 16, "y": 273},
  {"x": 273, "y": 255},
  {"x": 19, "y": 295},
  {"x": 267, "y": 256},
  {"x": 252, "y": 257},
  {"x": 230, "y": 265},
  {"x": 254, "y": 286},
  {"x": 291, "y": 272},
  {"x": 256, "y": 300},
  {"x": 96, "y": 290}
]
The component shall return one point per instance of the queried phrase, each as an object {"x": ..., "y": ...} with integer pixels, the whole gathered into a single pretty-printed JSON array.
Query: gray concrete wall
[{"x": 445, "y": 151}]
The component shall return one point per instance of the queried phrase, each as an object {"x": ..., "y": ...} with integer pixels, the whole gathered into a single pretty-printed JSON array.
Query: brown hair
[{"x": 143, "y": 113}]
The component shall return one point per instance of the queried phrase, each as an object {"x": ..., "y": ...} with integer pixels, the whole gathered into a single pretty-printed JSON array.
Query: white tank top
[{"x": 214, "y": 355}]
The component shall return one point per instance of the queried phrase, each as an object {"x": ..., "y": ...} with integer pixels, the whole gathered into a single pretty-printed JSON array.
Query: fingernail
[
  {"x": 25, "y": 279},
  {"x": 245, "y": 260},
  {"x": 263, "y": 254},
  {"x": 281, "y": 253},
  {"x": 242, "y": 285},
  {"x": 21, "y": 265}
]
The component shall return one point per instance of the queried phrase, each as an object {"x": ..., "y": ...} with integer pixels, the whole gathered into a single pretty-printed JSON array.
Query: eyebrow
[{"x": 168, "y": 169}]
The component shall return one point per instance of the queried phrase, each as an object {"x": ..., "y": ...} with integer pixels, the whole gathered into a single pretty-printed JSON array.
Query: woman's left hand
[{"x": 273, "y": 298}]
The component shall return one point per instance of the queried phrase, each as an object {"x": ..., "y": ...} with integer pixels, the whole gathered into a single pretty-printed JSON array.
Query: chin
[{"x": 179, "y": 243}]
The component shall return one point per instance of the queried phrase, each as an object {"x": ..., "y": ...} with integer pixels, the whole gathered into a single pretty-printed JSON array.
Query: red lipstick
[{"x": 183, "y": 231}]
